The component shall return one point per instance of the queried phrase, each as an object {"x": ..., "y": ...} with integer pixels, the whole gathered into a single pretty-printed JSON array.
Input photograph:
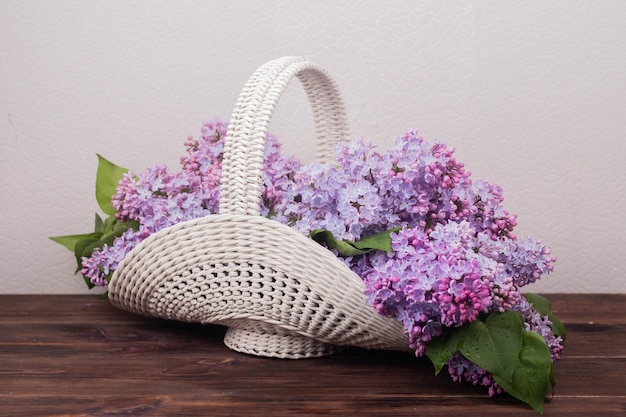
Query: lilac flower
[
  {"x": 158, "y": 198},
  {"x": 101, "y": 264},
  {"x": 453, "y": 258},
  {"x": 535, "y": 322},
  {"x": 463, "y": 370},
  {"x": 527, "y": 260}
]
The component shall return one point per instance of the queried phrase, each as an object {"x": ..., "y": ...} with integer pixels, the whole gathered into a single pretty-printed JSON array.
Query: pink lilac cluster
[
  {"x": 454, "y": 255},
  {"x": 158, "y": 198}
]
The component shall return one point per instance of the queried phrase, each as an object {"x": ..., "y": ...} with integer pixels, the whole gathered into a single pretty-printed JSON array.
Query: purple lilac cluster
[
  {"x": 535, "y": 322},
  {"x": 453, "y": 257},
  {"x": 158, "y": 198},
  {"x": 462, "y": 370}
]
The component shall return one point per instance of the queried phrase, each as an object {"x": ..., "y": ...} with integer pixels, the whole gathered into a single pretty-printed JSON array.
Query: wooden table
[{"x": 78, "y": 355}]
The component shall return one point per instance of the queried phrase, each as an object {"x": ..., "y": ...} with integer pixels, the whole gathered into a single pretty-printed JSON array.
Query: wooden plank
[
  {"x": 199, "y": 405},
  {"x": 571, "y": 308},
  {"x": 589, "y": 308},
  {"x": 133, "y": 340},
  {"x": 242, "y": 402},
  {"x": 152, "y": 334},
  {"x": 76, "y": 355},
  {"x": 369, "y": 372},
  {"x": 62, "y": 309}
]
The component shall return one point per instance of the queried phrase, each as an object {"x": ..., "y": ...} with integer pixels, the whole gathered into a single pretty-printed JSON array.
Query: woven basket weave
[{"x": 280, "y": 293}]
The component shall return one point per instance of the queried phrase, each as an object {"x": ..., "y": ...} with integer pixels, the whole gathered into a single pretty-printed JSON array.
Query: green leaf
[
  {"x": 542, "y": 306},
  {"x": 377, "y": 241},
  {"x": 93, "y": 241},
  {"x": 495, "y": 343},
  {"x": 489, "y": 342},
  {"x": 82, "y": 245},
  {"x": 99, "y": 226},
  {"x": 70, "y": 241},
  {"x": 107, "y": 178},
  {"x": 441, "y": 348},
  {"x": 557, "y": 327},
  {"x": 532, "y": 372},
  {"x": 107, "y": 238},
  {"x": 88, "y": 282},
  {"x": 518, "y": 360},
  {"x": 110, "y": 224},
  {"x": 327, "y": 238}
]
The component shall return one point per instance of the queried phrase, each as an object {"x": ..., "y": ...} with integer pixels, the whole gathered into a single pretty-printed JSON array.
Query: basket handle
[{"x": 244, "y": 145}]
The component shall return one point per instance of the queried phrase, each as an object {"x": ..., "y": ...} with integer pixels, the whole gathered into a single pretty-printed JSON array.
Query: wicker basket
[{"x": 280, "y": 293}]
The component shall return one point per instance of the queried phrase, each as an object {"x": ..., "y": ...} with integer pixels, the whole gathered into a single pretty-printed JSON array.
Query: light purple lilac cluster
[
  {"x": 410, "y": 185},
  {"x": 453, "y": 257}
]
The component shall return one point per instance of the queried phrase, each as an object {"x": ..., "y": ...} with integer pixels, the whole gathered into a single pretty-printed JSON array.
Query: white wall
[{"x": 532, "y": 94}]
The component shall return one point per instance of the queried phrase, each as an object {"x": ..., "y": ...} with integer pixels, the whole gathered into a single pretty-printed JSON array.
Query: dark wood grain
[{"x": 80, "y": 356}]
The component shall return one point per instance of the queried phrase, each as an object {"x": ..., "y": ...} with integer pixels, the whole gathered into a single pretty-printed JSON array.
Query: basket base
[{"x": 277, "y": 345}]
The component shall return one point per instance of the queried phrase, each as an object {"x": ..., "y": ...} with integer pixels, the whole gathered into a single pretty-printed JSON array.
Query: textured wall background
[{"x": 532, "y": 94}]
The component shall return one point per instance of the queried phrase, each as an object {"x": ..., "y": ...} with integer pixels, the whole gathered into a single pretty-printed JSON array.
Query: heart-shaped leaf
[
  {"x": 441, "y": 348},
  {"x": 493, "y": 344},
  {"x": 532, "y": 372},
  {"x": 519, "y": 361},
  {"x": 108, "y": 177}
]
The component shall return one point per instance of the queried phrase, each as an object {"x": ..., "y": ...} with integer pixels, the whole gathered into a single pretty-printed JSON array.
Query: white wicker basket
[{"x": 280, "y": 293}]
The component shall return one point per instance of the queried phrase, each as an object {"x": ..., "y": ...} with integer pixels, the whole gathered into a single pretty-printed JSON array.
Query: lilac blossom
[
  {"x": 453, "y": 258},
  {"x": 535, "y": 322},
  {"x": 463, "y": 370},
  {"x": 102, "y": 262},
  {"x": 158, "y": 198}
]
